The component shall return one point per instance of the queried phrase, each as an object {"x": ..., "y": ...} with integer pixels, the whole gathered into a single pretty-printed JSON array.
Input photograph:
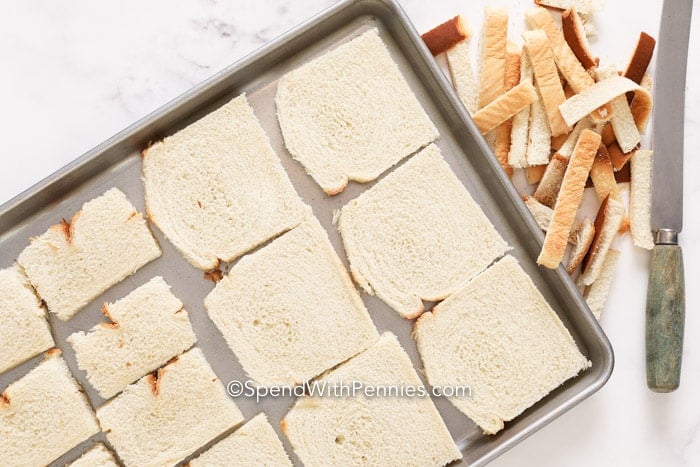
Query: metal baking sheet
[{"x": 117, "y": 162}]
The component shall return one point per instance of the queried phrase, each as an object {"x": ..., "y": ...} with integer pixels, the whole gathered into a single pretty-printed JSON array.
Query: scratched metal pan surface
[{"x": 117, "y": 163}]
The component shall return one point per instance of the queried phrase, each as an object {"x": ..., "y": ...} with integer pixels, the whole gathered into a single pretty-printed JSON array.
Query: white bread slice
[
  {"x": 97, "y": 456},
  {"x": 166, "y": 416},
  {"x": 255, "y": 443},
  {"x": 24, "y": 331},
  {"x": 290, "y": 311},
  {"x": 543, "y": 216},
  {"x": 328, "y": 113},
  {"x": 602, "y": 92},
  {"x": 521, "y": 122},
  {"x": 370, "y": 430},
  {"x": 217, "y": 189},
  {"x": 621, "y": 120},
  {"x": 493, "y": 55},
  {"x": 499, "y": 336},
  {"x": 462, "y": 73},
  {"x": 417, "y": 235},
  {"x": 583, "y": 241},
  {"x": 569, "y": 199},
  {"x": 72, "y": 263},
  {"x": 43, "y": 415},
  {"x": 607, "y": 226},
  {"x": 546, "y": 79},
  {"x": 597, "y": 294},
  {"x": 504, "y": 107},
  {"x": 146, "y": 328},
  {"x": 640, "y": 198}
]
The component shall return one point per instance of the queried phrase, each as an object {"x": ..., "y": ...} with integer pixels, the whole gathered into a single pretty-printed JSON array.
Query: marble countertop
[{"x": 74, "y": 73}]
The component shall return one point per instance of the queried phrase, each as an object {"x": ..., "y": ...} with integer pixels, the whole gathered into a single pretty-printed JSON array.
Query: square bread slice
[
  {"x": 371, "y": 430},
  {"x": 290, "y": 311},
  {"x": 216, "y": 188},
  {"x": 97, "y": 456},
  {"x": 350, "y": 115},
  {"x": 499, "y": 336},
  {"x": 255, "y": 443},
  {"x": 24, "y": 331},
  {"x": 417, "y": 235},
  {"x": 164, "y": 417},
  {"x": 74, "y": 262},
  {"x": 43, "y": 415},
  {"x": 147, "y": 328}
]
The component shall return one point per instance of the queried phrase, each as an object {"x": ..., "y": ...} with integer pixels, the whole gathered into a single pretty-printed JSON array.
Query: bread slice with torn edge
[
  {"x": 575, "y": 36},
  {"x": 640, "y": 199},
  {"x": 417, "y": 235},
  {"x": 24, "y": 331},
  {"x": 569, "y": 199},
  {"x": 374, "y": 430},
  {"x": 443, "y": 37},
  {"x": 499, "y": 336},
  {"x": 255, "y": 443},
  {"x": 546, "y": 78},
  {"x": 268, "y": 306},
  {"x": 146, "y": 328},
  {"x": 462, "y": 73},
  {"x": 607, "y": 226},
  {"x": 217, "y": 189},
  {"x": 583, "y": 241},
  {"x": 504, "y": 107},
  {"x": 97, "y": 456},
  {"x": 166, "y": 416},
  {"x": 597, "y": 294},
  {"x": 602, "y": 92},
  {"x": 621, "y": 119},
  {"x": 517, "y": 154},
  {"x": 44, "y": 414},
  {"x": 328, "y": 114},
  {"x": 493, "y": 55},
  {"x": 74, "y": 262},
  {"x": 543, "y": 217}
]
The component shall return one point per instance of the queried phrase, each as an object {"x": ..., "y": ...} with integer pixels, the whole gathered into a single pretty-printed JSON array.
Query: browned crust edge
[{"x": 443, "y": 37}]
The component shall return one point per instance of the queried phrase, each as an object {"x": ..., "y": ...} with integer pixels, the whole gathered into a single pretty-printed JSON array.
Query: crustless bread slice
[
  {"x": 72, "y": 263},
  {"x": 417, "y": 235},
  {"x": 97, "y": 456},
  {"x": 217, "y": 189},
  {"x": 391, "y": 431},
  {"x": 499, "y": 336},
  {"x": 350, "y": 114}
]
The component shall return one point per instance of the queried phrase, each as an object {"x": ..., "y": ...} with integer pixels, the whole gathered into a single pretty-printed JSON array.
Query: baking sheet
[{"x": 117, "y": 163}]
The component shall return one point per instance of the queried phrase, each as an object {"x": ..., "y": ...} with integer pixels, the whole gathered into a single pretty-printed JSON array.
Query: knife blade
[{"x": 665, "y": 313}]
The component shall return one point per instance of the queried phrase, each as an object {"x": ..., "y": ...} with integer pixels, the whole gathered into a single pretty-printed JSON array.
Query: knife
[{"x": 665, "y": 313}]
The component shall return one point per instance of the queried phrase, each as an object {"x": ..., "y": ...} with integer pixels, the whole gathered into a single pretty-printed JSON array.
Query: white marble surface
[{"x": 74, "y": 73}]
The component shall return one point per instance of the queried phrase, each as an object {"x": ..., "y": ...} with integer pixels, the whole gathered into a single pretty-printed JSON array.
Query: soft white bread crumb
[
  {"x": 350, "y": 115},
  {"x": 71, "y": 264},
  {"x": 462, "y": 73},
  {"x": 290, "y": 311},
  {"x": 499, "y": 336},
  {"x": 217, "y": 189},
  {"x": 417, "y": 235},
  {"x": 97, "y": 456},
  {"x": 166, "y": 416},
  {"x": 255, "y": 443},
  {"x": 392, "y": 431},
  {"x": 147, "y": 328},
  {"x": 640, "y": 198},
  {"x": 24, "y": 331},
  {"x": 597, "y": 293},
  {"x": 43, "y": 415}
]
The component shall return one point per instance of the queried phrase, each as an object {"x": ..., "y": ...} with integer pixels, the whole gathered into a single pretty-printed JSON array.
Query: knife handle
[{"x": 665, "y": 318}]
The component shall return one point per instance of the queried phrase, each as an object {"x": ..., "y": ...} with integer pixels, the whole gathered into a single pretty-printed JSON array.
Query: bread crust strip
[
  {"x": 493, "y": 58},
  {"x": 640, "y": 199},
  {"x": 569, "y": 199},
  {"x": 546, "y": 78},
  {"x": 442, "y": 38},
  {"x": 504, "y": 107},
  {"x": 607, "y": 225},
  {"x": 575, "y": 36}
]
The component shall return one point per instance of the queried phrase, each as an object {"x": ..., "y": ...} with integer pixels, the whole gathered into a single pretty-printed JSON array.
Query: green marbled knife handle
[{"x": 665, "y": 318}]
